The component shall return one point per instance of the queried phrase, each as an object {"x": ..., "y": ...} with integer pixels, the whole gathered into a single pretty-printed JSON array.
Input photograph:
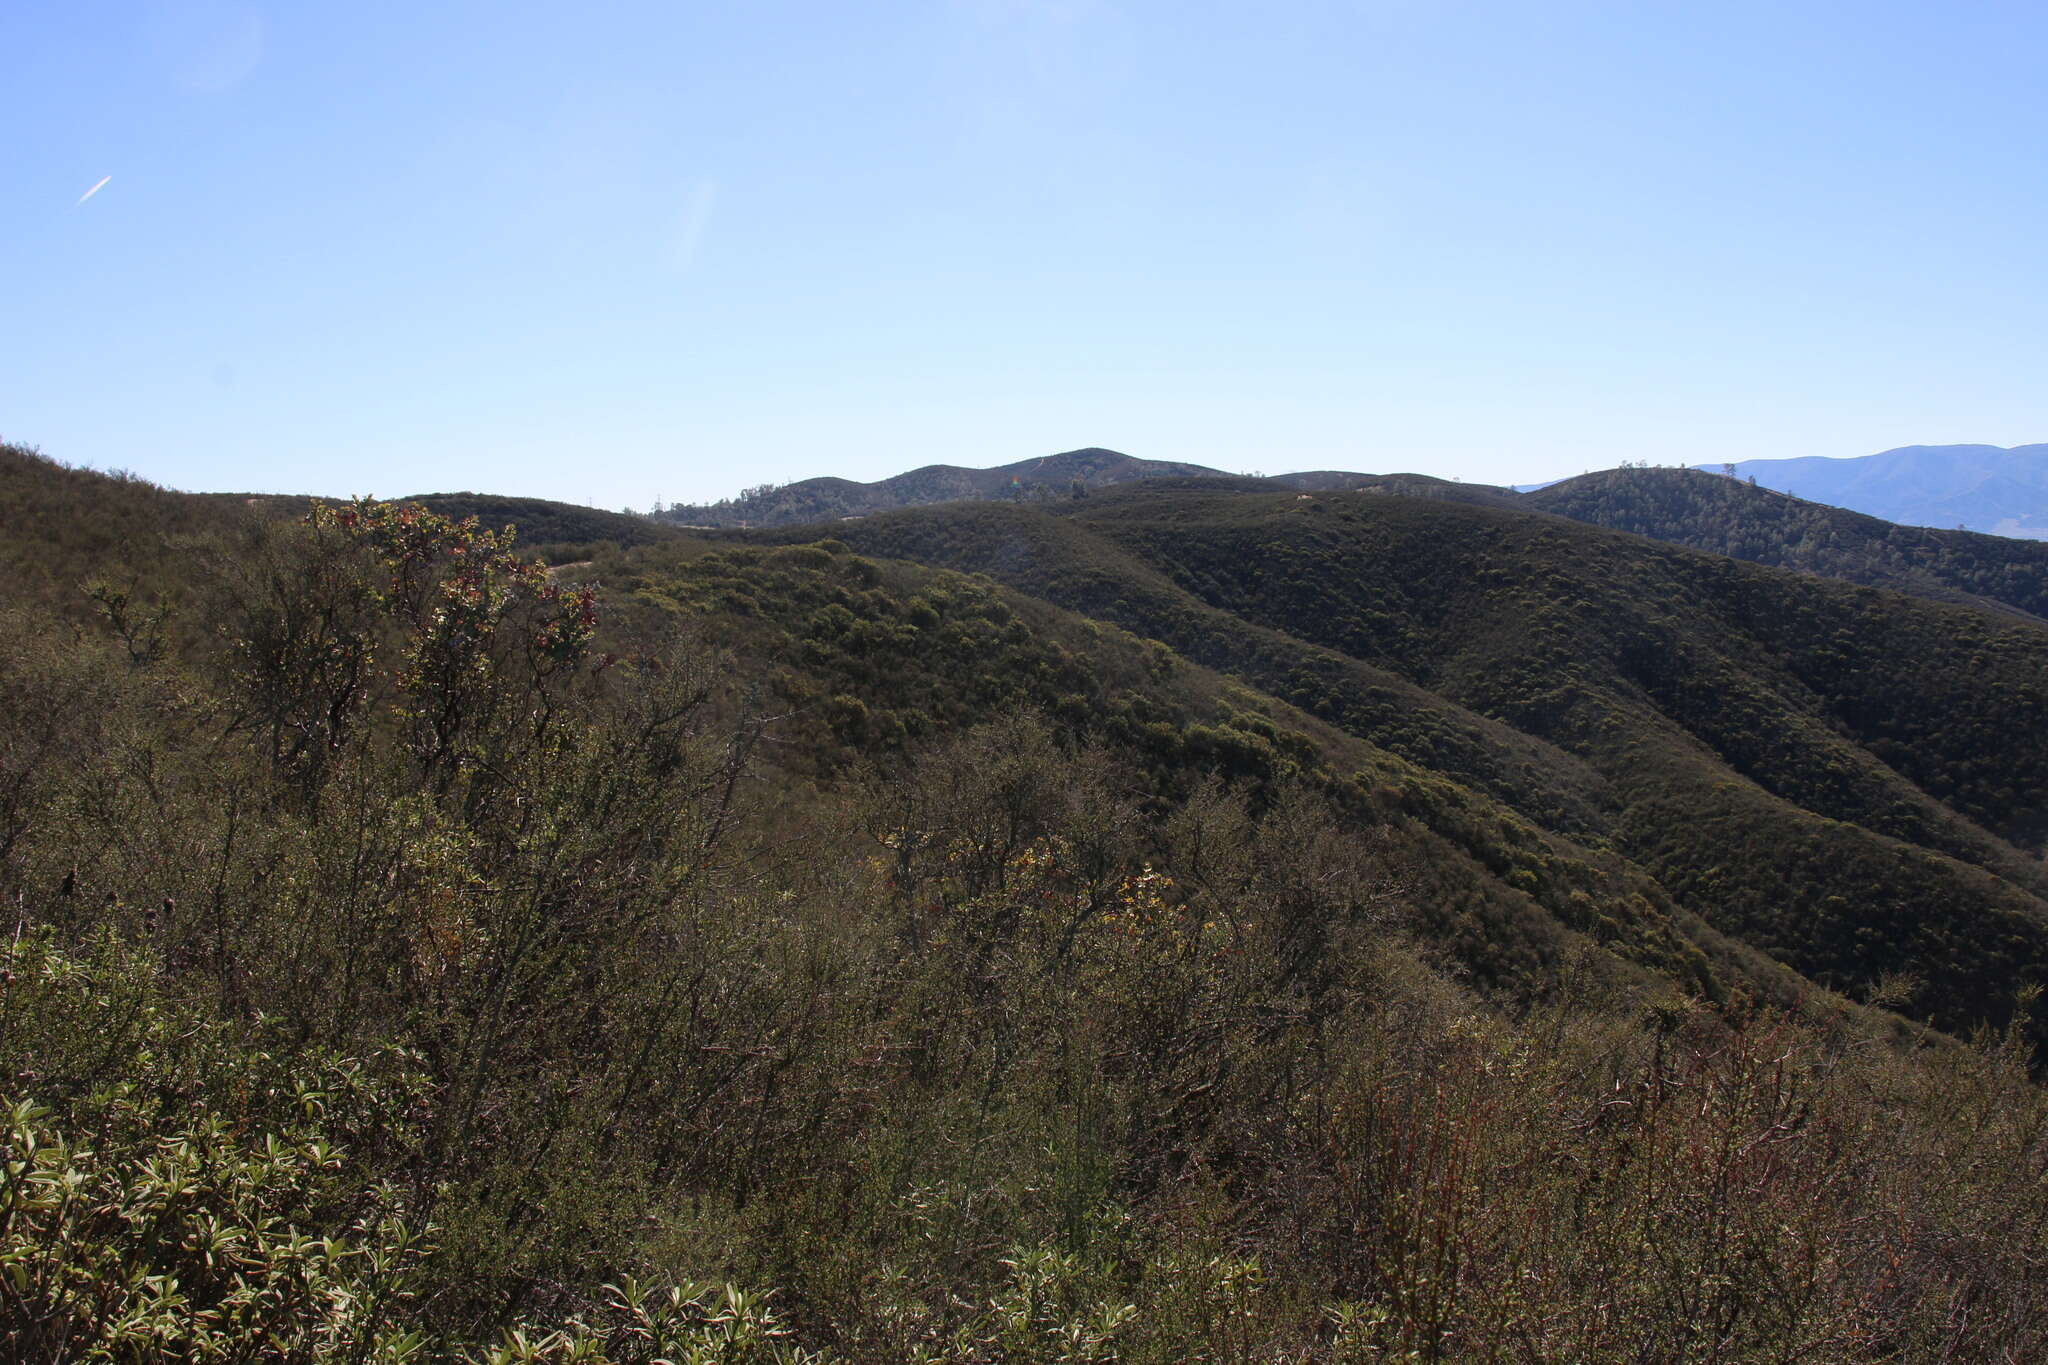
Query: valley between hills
[{"x": 1132, "y": 913}]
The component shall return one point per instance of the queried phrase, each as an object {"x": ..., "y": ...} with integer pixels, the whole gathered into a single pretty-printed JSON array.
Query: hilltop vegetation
[
  {"x": 813, "y": 500},
  {"x": 1053, "y": 478},
  {"x": 1246, "y": 932},
  {"x": 554, "y": 531},
  {"x": 1807, "y": 767},
  {"x": 1731, "y": 517},
  {"x": 66, "y": 528}
]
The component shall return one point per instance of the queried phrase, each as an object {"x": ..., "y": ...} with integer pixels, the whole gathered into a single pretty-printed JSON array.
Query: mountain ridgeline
[
  {"x": 1991, "y": 489},
  {"x": 1071, "y": 474},
  {"x": 1853, "y": 782},
  {"x": 829, "y": 499},
  {"x": 1740, "y": 519},
  {"x": 1188, "y": 918}
]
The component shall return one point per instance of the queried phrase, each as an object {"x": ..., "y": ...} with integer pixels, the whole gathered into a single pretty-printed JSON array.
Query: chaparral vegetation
[{"x": 1178, "y": 924}]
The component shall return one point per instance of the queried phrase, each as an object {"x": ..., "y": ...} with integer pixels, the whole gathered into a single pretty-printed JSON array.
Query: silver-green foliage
[{"x": 196, "y": 1207}]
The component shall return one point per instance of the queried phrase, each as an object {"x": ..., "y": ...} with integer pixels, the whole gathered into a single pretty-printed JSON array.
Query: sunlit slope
[
  {"x": 876, "y": 936},
  {"x": 865, "y": 661},
  {"x": 866, "y": 658},
  {"x": 62, "y": 528},
  {"x": 1852, "y": 780},
  {"x": 1566, "y": 734}
]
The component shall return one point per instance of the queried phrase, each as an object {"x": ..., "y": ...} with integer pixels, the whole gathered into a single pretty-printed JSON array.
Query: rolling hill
[
  {"x": 1198, "y": 920},
  {"x": 554, "y": 530},
  {"x": 1067, "y": 475},
  {"x": 1748, "y": 521},
  {"x": 1809, "y": 767},
  {"x": 825, "y": 499}
]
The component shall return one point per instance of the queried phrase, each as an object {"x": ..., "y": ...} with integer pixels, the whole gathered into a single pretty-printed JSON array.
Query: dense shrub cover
[
  {"x": 1853, "y": 781},
  {"x": 412, "y": 961},
  {"x": 1730, "y": 517}
]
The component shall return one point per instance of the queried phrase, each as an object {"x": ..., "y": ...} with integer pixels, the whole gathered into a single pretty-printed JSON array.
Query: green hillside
[
  {"x": 556, "y": 531},
  {"x": 1731, "y": 517},
  {"x": 1052, "y": 478},
  {"x": 65, "y": 528},
  {"x": 1184, "y": 923},
  {"x": 1064, "y": 475},
  {"x": 1852, "y": 781}
]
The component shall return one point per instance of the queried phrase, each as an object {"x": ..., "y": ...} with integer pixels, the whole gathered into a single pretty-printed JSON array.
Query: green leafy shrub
[{"x": 184, "y": 1197}]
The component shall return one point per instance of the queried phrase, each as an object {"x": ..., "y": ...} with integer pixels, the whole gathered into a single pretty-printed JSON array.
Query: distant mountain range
[
  {"x": 1070, "y": 474},
  {"x": 824, "y": 499},
  {"x": 1972, "y": 487},
  {"x": 2000, "y": 491}
]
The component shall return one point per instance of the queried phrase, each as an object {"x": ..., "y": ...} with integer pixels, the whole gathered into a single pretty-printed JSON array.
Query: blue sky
[{"x": 619, "y": 252}]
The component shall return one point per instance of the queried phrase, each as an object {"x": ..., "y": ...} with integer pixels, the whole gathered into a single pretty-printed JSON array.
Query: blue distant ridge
[{"x": 1993, "y": 489}]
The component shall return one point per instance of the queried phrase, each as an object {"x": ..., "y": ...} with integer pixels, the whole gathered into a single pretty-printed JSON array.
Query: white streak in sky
[
  {"x": 209, "y": 46},
  {"x": 688, "y": 234},
  {"x": 94, "y": 190}
]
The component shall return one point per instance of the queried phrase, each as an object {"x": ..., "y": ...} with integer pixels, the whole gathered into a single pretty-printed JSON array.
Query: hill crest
[
  {"x": 829, "y": 498},
  {"x": 1046, "y": 478},
  {"x": 1748, "y": 521}
]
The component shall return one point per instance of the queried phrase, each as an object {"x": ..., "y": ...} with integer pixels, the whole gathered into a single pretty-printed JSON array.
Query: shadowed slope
[
  {"x": 1853, "y": 780},
  {"x": 1732, "y": 517}
]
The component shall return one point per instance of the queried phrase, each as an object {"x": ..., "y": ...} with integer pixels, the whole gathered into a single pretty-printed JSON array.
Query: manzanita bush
[{"x": 392, "y": 610}]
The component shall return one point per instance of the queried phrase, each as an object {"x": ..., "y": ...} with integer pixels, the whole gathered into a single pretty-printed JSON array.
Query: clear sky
[{"x": 618, "y": 252}]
